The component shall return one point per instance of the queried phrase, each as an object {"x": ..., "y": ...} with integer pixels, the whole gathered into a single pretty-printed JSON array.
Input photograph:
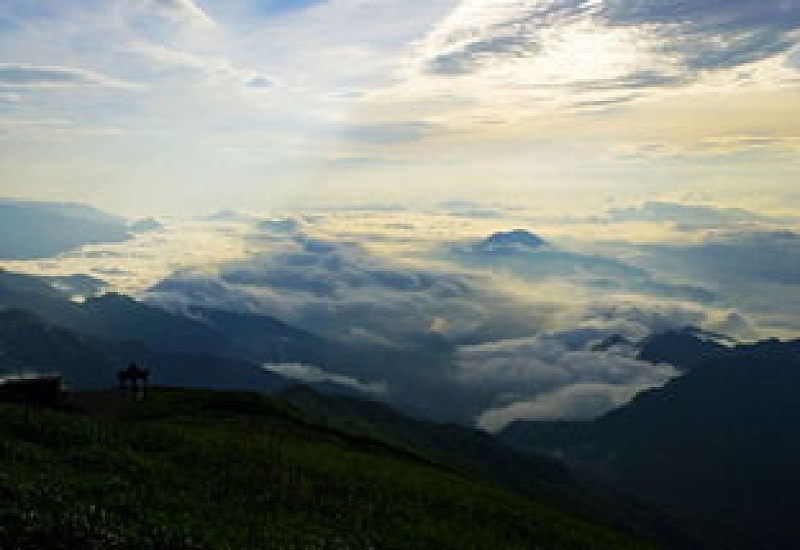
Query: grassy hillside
[{"x": 201, "y": 469}]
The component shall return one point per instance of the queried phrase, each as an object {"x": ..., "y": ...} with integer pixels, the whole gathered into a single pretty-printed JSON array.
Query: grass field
[{"x": 223, "y": 470}]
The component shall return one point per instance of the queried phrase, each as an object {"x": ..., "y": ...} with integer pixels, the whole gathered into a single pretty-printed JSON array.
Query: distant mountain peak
[
  {"x": 516, "y": 239},
  {"x": 145, "y": 224}
]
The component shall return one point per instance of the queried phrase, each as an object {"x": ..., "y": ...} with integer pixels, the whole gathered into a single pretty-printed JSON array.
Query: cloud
[
  {"x": 636, "y": 316},
  {"x": 582, "y": 401},
  {"x": 467, "y": 343},
  {"x": 280, "y": 226},
  {"x": 316, "y": 375},
  {"x": 549, "y": 49},
  {"x": 343, "y": 286},
  {"x": 713, "y": 34},
  {"x": 133, "y": 266},
  {"x": 9, "y": 98},
  {"x": 260, "y": 81},
  {"x": 785, "y": 146},
  {"x": 731, "y": 255},
  {"x": 387, "y": 133},
  {"x": 21, "y": 75},
  {"x": 681, "y": 213},
  {"x": 558, "y": 375},
  {"x": 747, "y": 265},
  {"x": 703, "y": 35},
  {"x": 334, "y": 287},
  {"x": 480, "y": 33},
  {"x": 361, "y": 162},
  {"x": 526, "y": 256},
  {"x": 635, "y": 80},
  {"x": 475, "y": 53},
  {"x": 255, "y": 95},
  {"x": 184, "y": 11},
  {"x": 272, "y": 8},
  {"x": 213, "y": 70},
  {"x": 500, "y": 349}
]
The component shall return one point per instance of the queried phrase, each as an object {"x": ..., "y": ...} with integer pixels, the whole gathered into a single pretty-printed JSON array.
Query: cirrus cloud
[
  {"x": 184, "y": 11},
  {"x": 23, "y": 75},
  {"x": 590, "y": 54}
]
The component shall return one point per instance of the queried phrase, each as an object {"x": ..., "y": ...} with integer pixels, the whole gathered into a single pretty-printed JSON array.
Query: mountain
[
  {"x": 685, "y": 348},
  {"x": 717, "y": 447},
  {"x": 30, "y": 229},
  {"x": 38, "y": 296},
  {"x": 204, "y": 348},
  {"x": 194, "y": 470},
  {"x": 471, "y": 450},
  {"x": 260, "y": 337},
  {"x": 189, "y": 370},
  {"x": 111, "y": 316},
  {"x": 77, "y": 285},
  {"x": 144, "y": 225},
  {"x": 117, "y": 317},
  {"x": 530, "y": 257},
  {"x": 508, "y": 241},
  {"x": 28, "y": 342},
  {"x": 16, "y": 284},
  {"x": 690, "y": 347},
  {"x": 476, "y": 448}
]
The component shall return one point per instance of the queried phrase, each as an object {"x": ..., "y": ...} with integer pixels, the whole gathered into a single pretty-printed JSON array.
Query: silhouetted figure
[{"x": 130, "y": 378}]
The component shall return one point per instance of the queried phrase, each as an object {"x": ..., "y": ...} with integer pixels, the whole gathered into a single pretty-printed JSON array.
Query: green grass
[{"x": 197, "y": 469}]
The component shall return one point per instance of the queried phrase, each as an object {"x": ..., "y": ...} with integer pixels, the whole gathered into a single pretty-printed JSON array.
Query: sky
[{"x": 188, "y": 106}]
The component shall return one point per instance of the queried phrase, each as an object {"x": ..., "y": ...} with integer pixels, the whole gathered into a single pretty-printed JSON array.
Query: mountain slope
[
  {"x": 29, "y": 342},
  {"x": 196, "y": 470},
  {"x": 205, "y": 348},
  {"x": 474, "y": 447},
  {"x": 263, "y": 338},
  {"x": 685, "y": 348},
  {"x": 718, "y": 446},
  {"x": 116, "y": 317},
  {"x": 476, "y": 451}
]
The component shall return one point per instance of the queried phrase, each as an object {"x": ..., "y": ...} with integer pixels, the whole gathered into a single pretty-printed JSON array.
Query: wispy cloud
[
  {"x": 316, "y": 375},
  {"x": 184, "y": 11},
  {"x": 521, "y": 56},
  {"x": 716, "y": 34},
  {"x": 386, "y": 133},
  {"x": 667, "y": 44},
  {"x": 712, "y": 146},
  {"x": 22, "y": 75},
  {"x": 208, "y": 68}
]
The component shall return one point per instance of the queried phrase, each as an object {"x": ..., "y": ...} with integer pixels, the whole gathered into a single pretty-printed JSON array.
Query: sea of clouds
[{"x": 486, "y": 338}]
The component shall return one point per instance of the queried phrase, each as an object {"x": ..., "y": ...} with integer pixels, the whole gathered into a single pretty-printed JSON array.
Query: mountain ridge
[{"x": 717, "y": 446}]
